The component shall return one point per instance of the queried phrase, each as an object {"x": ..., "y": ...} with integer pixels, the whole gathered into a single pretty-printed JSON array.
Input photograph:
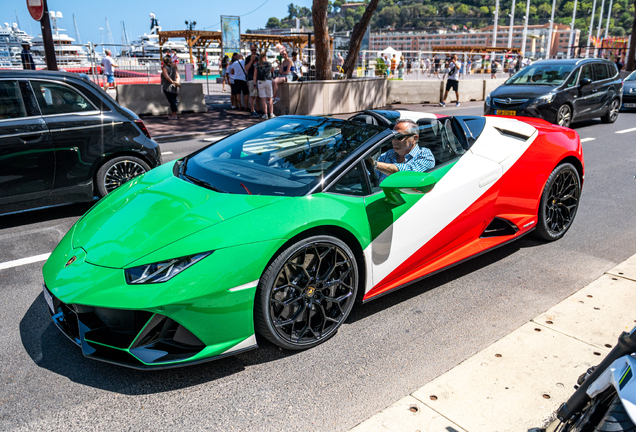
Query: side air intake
[
  {"x": 499, "y": 227},
  {"x": 512, "y": 134}
]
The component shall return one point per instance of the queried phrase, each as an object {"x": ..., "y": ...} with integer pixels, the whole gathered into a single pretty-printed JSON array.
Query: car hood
[
  {"x": 151, "y": 212},
  {"x": 521, "y": 91}
]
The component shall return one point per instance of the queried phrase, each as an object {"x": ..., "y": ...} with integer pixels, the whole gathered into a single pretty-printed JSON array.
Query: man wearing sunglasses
[{"x": 405, "y": 155}]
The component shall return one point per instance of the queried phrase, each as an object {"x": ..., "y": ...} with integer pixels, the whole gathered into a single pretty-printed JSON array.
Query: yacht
[{"x": 67, "y": 52}]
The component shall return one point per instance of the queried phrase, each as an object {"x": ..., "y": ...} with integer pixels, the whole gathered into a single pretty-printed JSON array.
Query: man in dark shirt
[
  {"x": 27, "y": 58},
  {"x": 250, "y": 62}
]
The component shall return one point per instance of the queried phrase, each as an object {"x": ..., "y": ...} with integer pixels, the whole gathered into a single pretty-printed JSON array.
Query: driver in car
[{"x": 405, "y": 155}]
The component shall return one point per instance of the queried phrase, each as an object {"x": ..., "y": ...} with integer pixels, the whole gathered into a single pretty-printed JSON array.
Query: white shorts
[{"x": 265, "y": 89}]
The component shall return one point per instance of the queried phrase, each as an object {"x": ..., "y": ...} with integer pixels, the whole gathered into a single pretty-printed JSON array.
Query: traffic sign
[{"x": 36, "y": 9}]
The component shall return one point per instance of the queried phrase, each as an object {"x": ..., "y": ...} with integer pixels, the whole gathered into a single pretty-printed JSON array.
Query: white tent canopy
[{"x": 390, "y": 51}]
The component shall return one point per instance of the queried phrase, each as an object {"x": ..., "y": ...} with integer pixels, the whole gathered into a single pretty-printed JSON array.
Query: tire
[
  {"x": 612, "y": 112},
  {"x": 117, "y": 171},
  {"x": 604, "y": 413},
  {"x": 306, "y": 293},
  {"x": 564, "y": 115},
  {"x": 559, "y": 203}
]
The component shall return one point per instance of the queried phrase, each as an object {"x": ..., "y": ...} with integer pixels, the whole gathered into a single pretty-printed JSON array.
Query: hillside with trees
[{"x": 474, "y": 14}]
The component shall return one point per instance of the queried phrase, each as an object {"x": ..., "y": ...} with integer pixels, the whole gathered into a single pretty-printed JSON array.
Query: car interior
[{"x": 11, "y": 104}]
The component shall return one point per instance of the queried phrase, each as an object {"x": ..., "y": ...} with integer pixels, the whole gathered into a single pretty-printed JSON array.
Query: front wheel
[
  {"x": 604, "y": 413},
  {"x": 559, "y": 203},
  {"x": 612, "y": 112},
  {"x": 116, "y": 172},
  {"x": 564, "y": 115},
  {"x": 306, "y": 293}
]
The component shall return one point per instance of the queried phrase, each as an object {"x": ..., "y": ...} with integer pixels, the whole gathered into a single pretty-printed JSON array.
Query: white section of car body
[
  {"x": 249, "y": 342},
  {"x": 612, "y": 377},
  {"x": 472, "y": 176},
  {"x": 415, "y": 115},
  {"x": 244, "y": 286}
]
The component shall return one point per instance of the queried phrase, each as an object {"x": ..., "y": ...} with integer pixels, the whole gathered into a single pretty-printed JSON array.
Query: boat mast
[
  {"x": 16, "y": 18},
  {"x": 77, "y": 35},
  {"x": 109, "y": 34}
]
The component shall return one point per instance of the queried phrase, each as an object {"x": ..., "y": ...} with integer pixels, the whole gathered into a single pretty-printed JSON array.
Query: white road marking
[
  {"x": 23, "y": 261},
  {"x": 587, "y": 139},
  {"x": 626, "y": 130},
  {"x": 165, "y": 153}
]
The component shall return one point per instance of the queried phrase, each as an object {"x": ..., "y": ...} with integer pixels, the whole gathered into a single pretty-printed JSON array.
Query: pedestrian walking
[
  {"x": 409, "y": 65},
  {"x": 453, "y": 80},
  {"x": 400, "y": 68},
  {"x": 239, "y": 88},
  {"x": 394, "y": 63},
  {"x": 263, "y": 79},
  {"x": 436, "y": 62},
  {"x": 27, "y": 58},
  {"x": 174, "y": 57},
  {"x": 494, "y": 68},
  {"x": 224, "y": 64},
  {"x": 170, "y": 84},
  {"x": 109, "y": 72},
  {"x": 469, "y": 66},
  {"x": 250, "y": 66}
]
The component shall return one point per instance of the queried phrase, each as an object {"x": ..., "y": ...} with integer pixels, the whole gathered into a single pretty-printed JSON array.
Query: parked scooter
[{"x": 606, "y": 397}]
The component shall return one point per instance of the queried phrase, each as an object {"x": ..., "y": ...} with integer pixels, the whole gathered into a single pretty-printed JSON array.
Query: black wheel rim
[
  {"x": 312, "y": 293},
  {"x": 562, "y": 202},
  {"x": 563, "y": 117},
  {"x": 614, "y": 110},
  {"x": 120, "y": 173}
]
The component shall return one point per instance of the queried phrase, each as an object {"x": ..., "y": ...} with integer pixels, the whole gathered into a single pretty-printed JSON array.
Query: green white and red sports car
[{"x": 279, "y": 228}]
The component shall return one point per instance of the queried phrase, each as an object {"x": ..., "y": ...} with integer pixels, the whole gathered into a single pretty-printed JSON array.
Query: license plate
[
  {"x": 505, "y": 112},
  {"x": 629, "y": 105},
  {"x": 48, "y": 298}
]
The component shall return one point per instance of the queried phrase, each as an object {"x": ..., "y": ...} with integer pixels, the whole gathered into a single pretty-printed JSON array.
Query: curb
[
  {"x": 518, "y": 382},
  {"x": 168, "y": 138}
]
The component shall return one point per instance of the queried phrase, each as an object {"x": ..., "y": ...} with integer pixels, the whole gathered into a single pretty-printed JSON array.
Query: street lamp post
[
  {"x": 525, "y": 30},
  {"x": 572, "y": 30},
  {"x": 512, "y": 24},
  {"x": 589, "y": 35},
  {"x": 494, "y": 31},
  {"x": 598, "y": 31},
  {"x": 609, "y": 14},
  {"x": 549, "y": 47}
]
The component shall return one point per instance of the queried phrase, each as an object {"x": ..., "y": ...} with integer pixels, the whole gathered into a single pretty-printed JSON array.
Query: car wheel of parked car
[
  {"x": 306, "y": 293},
  {"x": 559, "y": 202},
  {"x": 612, "y": 113},
  {"x": 564, "y": 115},
  {"x": 116, "y": 172}
]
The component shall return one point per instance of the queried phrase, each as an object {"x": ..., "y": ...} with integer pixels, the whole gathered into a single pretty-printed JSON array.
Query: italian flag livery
[{"x": 165, "y": 271}]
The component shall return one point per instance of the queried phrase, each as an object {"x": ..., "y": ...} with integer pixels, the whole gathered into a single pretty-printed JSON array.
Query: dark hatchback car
[
  {"x": 560, "y": 91},
  {"x": 629, "y": 91},
  {"x": 63, "y": 139}
]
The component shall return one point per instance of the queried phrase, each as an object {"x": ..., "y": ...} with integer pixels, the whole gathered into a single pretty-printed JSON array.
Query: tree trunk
[
  {"x": 357, "y": 34},
  {"x": 629, "y": 66},
  {"x": 321, "y": 35}
]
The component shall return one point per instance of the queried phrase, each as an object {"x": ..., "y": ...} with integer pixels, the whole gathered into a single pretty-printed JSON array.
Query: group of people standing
[{"x": 256, "y": 77}]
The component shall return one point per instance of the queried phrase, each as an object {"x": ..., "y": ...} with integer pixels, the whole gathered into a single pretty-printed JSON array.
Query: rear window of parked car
[
  {"x": 59, "y": 99},
  {"x": 600, "y": 72}
]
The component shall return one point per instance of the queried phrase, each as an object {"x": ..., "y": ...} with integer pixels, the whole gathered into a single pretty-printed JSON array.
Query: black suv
[
  {"x": 560, "y": 91},
  {"x": 63, "y": 139}
]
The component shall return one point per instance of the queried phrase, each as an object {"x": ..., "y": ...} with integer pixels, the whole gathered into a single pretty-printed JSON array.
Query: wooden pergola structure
[{"x": 202, "y": 39}]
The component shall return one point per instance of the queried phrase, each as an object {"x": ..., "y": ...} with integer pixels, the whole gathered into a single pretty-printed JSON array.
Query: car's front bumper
[{"x": 203, "y": 313}]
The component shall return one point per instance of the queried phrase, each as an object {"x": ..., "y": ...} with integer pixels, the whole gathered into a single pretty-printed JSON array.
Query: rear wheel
[
  {"x": 559, "y": 203},
  {"x": 116, "y": 172},
  {"x": 612, "y": 112},
  {"x": 564, "y": 115},
  {"x": 306, "y": 293}
]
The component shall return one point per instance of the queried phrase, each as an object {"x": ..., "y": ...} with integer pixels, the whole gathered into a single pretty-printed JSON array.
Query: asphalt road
[{"x": 385, "y": 350}]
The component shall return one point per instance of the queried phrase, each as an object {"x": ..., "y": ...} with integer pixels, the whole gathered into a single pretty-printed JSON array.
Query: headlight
[
  {"x": 488, "y": 99},
  {"x": 543, "y": 99},
  {"x": 161, "y": 271}
]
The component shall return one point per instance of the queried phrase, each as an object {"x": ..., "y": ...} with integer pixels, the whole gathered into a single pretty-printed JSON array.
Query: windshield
[
  {"x": 541, "y": 74},
  {"x": 284, "y": 156}
]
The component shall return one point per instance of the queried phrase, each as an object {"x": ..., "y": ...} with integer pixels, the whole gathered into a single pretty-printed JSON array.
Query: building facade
[{"x": 537, "y": 44}]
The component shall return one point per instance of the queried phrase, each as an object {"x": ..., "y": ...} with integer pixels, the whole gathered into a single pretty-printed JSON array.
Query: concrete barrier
[
  {"x": 149, "y": 99},
  {"x": 413, "y": 92},
  {"x": 331, "y": 97}
]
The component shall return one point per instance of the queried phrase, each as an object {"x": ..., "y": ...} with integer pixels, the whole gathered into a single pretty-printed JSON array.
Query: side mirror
[
  {"x": 585, "y": 81},
  {"x": 407, "y": 182}
]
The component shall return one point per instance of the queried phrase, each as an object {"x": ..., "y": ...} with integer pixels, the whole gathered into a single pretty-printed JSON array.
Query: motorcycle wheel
[{"x": 605, "y": 413}]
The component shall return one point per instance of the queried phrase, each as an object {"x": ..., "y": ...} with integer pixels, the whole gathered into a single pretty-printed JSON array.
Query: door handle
[{"x": 32, "y": 138}]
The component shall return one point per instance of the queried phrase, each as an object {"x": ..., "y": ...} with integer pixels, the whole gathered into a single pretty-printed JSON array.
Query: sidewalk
[
  {"x": 220, "y": 119},
  {"x": 517, "y": 383}
]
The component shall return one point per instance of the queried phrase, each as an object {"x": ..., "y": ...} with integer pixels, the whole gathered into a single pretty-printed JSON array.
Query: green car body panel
[{"x": 157, "y": 217}]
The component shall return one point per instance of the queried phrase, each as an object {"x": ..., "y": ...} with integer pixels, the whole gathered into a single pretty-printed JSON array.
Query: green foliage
[
  {"x": 273, "y": 22},
  {"x": 617, "y": 31}
]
